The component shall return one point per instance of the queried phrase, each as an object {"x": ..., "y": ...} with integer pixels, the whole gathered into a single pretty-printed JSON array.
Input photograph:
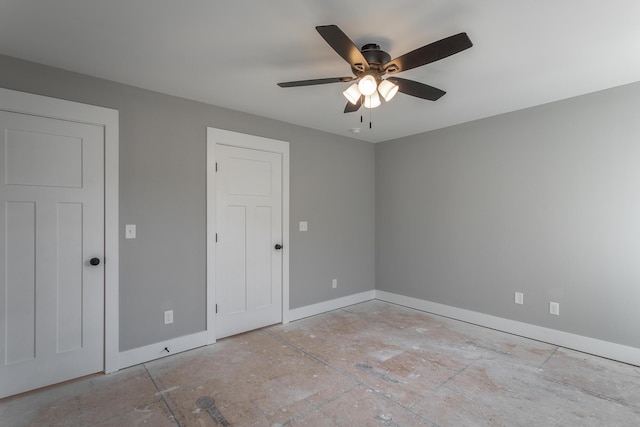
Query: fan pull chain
[{"x": 370, "y": 117}]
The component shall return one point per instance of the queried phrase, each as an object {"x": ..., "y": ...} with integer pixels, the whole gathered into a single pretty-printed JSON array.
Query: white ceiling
[{"x": 233, "y": 52}]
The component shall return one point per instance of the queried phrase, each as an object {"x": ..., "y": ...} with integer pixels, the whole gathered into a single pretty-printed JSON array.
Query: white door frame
[
  {"x": 220, "y": 136},
  {"x": 26, "y": 103}
]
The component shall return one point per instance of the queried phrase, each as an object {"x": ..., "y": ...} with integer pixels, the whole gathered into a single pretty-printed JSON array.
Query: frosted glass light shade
[
  {"x": 372, "y": 101},
  {"x": 387, "y": 89},
  {"x": 367, "y": 85},
  {"x": 352, "y": 93}
]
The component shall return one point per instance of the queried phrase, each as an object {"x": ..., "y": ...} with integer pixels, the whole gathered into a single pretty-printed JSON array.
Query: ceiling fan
[{"x": 370, "y": 65}]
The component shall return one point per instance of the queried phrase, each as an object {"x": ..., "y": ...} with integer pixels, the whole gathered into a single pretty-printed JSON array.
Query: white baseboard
[
  {"x": 157, "y": 350},
  {"x": 581, "y": 343},
  {"x": 621, "y": 353},
  {"x": 334, "y": 304}
]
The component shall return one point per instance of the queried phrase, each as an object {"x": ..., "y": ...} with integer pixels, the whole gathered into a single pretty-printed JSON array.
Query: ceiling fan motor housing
[{"x": 375, "y": 56}]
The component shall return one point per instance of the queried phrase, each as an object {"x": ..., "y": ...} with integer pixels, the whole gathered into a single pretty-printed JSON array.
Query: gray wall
[
  {"x": 545, "y": 201},
  {"x": 162, "y": 190}
]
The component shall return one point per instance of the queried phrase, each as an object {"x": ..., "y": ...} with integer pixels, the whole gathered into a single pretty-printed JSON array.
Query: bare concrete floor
[{"x": 372, "y": 364}]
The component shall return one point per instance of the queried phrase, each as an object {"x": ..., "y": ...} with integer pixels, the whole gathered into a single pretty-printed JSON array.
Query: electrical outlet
[
  {"x": 168, "y": 317},
  {"x": 554, "y": 308},
  {"x": 334, "y": 283},
  {"x": 304, "y": 225},
  {"x": 519, "y": 298}
]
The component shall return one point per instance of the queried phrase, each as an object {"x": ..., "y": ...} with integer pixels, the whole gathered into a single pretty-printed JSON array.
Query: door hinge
[
  {"x": 216, "y": 166},
  {"x": 216, "y": 237},
  {"x": 216, "y": 308}
]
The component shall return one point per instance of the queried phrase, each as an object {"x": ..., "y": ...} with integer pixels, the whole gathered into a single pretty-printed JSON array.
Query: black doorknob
[
  {"x": 278, "y": 246},
  {"x": 94, "y": 261}
]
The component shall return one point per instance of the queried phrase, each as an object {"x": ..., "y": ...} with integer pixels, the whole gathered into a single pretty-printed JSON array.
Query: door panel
[
  {"x": 20, "y": 283},
  {"x": 249, "y": 225},
  {"x": 69, "y": 267},
  {"x": 262, "y": 250},
  {"x": 248, "y": 177},
  {"x": 51, "y": 224},
  {"x": 234, "y": 271},
  {"x": 59, "y": 159}
]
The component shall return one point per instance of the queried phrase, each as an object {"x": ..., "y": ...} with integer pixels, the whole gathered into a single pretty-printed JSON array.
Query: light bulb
[
  {"x": 352, "y": 94},
  {"x": 387, "y": 89},
  {"x": 367, "y": 85},
  {"x": 372, "y": 101}
]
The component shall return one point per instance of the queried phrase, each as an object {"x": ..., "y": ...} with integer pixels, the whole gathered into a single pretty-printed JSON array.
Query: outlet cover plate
[
  {"x": 554, "y": 308},
  {"x": 519, "y": 298},
  {"x": 168, "y": 317}
]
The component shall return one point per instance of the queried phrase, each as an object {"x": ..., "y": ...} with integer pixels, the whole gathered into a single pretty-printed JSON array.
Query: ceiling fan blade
[
  {"x": 429, "y": 53},
  {"x": 417, "y": 89},
  {"x": 316, "y": 81},
  {"x": 343, "y": 45},
  {"x": 350, "y": 108}
]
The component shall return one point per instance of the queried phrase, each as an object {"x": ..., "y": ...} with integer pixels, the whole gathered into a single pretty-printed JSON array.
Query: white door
[
  {"x": 51, "y": 226},
  {"x": 249, "y": 233}
]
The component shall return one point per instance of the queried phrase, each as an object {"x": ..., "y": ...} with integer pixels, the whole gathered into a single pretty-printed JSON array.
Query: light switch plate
[
  {"x": 519, "y": 298},
  {"x": 304, "y": 225},
  {"x": 130, "y": 231}
]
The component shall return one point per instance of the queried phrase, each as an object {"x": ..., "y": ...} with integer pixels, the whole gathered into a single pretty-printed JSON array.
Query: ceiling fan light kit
[
  {"x": 372, "y": 101},
  {"x": 367, "y": 85},
  {"x": 352, "y": 93},
  {"x": 371, "y": 64},
  {"x": 369, "y": 88},
  {"x": 388, "y": 90}
]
